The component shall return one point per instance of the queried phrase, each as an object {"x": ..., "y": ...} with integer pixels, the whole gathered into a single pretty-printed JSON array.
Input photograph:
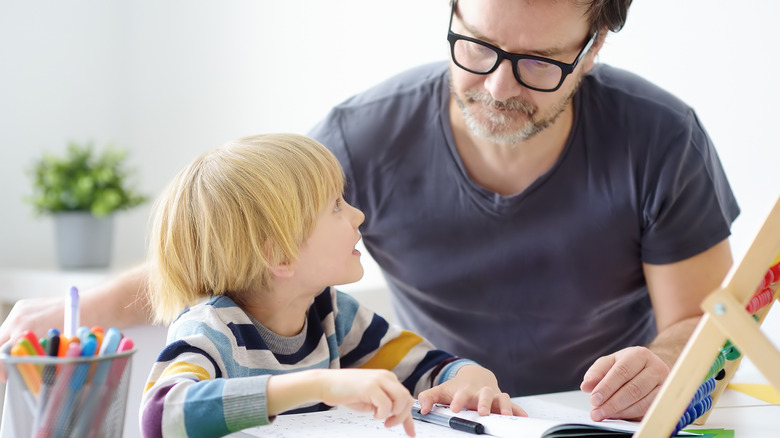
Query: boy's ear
[{"x": 282, "y": 270}]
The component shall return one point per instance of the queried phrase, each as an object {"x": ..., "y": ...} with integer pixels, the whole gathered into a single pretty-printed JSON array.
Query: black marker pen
[{"x": 452, "y": 422}]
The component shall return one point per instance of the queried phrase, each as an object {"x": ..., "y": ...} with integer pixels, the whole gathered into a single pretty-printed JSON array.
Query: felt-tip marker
[
  {"x": 71, "y": 312},
  {"x": 447, "y": 421}
]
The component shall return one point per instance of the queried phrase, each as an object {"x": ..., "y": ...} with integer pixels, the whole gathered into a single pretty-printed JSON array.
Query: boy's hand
[
  {"x": 473, "y": 387},
  {"x": 371, "y": 390}
]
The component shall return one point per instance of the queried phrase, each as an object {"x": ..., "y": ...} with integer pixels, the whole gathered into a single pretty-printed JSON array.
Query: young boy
[{"x": 258, "y": 229}]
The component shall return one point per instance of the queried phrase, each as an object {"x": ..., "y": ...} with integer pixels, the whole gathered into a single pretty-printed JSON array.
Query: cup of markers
[{"x": 62, "y": 385}]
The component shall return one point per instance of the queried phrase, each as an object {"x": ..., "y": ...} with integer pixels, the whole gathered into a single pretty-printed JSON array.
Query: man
[
  {"x": 557, "y": 221},
  {"x": 531, "y": 210}
]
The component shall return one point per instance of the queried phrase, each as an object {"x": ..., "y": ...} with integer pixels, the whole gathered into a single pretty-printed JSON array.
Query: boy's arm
[
  {"x": 435, "y": 376},
  {"x": 372, "y": 343},
  {"x": 193, "y": 400}
]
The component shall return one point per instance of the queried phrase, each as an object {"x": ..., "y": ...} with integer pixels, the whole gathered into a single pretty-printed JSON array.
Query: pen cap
[
  {"x": 466, "y": 425},
  {"x": 72, "y": 312}
]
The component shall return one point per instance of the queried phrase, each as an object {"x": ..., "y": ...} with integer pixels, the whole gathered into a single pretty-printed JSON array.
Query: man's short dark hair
[{"x": 609, "y": 14}]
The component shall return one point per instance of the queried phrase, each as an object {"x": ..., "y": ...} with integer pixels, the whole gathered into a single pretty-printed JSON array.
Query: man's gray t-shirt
[{"x": 534, "y": 286}]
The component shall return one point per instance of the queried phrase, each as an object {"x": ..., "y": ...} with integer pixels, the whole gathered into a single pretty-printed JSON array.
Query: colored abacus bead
[
  {"x": 694, "y": 411},
  {"x": 776, "y": 272},
  {"x": 759, "y": 301},
  {"x": 707, "y": 387},
  {"x": 731, "y": 353},
  {"x": 769, "y": 277}
]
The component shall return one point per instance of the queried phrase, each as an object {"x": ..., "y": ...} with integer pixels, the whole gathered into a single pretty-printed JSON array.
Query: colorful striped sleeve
[
  {"x": 185, "y": 396},
  {"x": 366, "y": 340}
]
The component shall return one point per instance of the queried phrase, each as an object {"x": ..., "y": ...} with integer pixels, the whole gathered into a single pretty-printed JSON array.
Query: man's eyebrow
[{"x": 545, "y": 53}]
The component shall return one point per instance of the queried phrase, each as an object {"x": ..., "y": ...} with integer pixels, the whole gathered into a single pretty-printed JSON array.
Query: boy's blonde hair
[{"x": 233, "y": 213}]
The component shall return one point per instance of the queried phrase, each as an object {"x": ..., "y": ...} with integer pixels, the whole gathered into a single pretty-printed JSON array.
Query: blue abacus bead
[
  {"x": 705, "y": 389},
  {"x": 677, "y": 428},
  {"x": 690, "y": 415},
  {"x": 699, "y": 410},
  {"x": 708, "y": 387},
  {"x": 708, "y": 403},
  {"x": 684, "y": 421},
  {"x": 699, "y": 394},
  {"x": 710, "y": 384}
]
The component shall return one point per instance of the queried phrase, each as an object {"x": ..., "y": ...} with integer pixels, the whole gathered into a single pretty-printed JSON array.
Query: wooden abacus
[{"x": 732, "y": 315}]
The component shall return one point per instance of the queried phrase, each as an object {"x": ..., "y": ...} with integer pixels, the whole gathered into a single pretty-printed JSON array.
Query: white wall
[{"x": 169, "y": 79}]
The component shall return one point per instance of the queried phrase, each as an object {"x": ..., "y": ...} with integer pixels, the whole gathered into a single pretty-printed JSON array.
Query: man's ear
[
  {"x": 282, "y": 270},
  {"x": 590, "y": 58}
]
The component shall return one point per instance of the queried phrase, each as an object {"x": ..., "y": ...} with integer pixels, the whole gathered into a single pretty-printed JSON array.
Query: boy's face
[{"x": 328, "y": 257}]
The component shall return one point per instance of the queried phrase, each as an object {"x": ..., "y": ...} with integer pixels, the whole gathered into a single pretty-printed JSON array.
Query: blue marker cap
[
  {"x": 89, "y": 346},
  {"x": 110, "y": 341}
]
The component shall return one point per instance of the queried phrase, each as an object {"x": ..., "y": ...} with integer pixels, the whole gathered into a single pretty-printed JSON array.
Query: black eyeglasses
[{"x": 534, "y": 72}]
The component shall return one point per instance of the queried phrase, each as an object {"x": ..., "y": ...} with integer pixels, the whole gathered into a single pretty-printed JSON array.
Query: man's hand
[
  {"x": 36, "y": 314},
  {"x": 624, "y": 384}
]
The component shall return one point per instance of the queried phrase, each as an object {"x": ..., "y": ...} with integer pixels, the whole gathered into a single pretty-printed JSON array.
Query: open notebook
[{"x": 546, "y": 420}]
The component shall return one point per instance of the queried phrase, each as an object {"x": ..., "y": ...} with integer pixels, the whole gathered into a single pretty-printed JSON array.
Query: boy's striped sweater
[{"x": 210, "y": 379}]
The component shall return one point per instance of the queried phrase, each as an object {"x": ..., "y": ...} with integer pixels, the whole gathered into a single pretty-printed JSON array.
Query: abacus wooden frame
[{"x": 724, "y": 318}]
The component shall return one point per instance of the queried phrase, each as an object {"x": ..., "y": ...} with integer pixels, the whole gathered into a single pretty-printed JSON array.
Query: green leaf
[{"x": 83, "y": 180}]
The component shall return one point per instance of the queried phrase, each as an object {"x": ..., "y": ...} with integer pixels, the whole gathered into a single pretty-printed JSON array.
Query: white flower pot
[{"x": 83, "y": 240}]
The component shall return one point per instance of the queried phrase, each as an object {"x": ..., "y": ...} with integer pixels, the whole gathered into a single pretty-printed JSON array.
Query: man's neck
[{"x": 510, "y": 169}]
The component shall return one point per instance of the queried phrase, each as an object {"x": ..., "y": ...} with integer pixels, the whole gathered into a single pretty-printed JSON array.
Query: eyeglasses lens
[{"x": 478, "y": 58}]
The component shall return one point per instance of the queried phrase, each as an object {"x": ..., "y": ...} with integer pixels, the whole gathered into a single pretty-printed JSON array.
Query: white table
[{"x": 747, "y": 416}]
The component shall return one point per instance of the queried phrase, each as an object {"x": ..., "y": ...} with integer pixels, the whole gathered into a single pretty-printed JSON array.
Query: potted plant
[{"x": 82, "y": 190}]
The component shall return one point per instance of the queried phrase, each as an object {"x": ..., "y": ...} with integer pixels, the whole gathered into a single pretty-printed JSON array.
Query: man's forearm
[
  {"x": 121, "y": 302},
  {"x": 669, "y": 343}
]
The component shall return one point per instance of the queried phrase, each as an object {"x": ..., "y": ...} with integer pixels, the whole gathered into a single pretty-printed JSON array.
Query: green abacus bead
[{"x": 731, "y": 353}]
